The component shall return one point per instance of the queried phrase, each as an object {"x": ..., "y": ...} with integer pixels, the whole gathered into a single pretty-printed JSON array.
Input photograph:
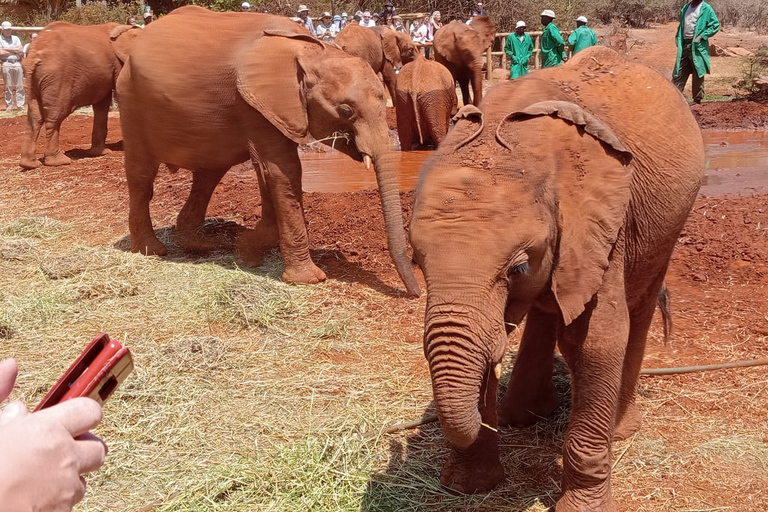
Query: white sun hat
[
  {"x": 582, "y": 19},
  {"x": 548, "y": 12},
  {"x": 6, "y": 25},
  {"x": 246, "y": 4},
  {"x": 303, "y": 8},
  {"x": 519, "y": 24}
]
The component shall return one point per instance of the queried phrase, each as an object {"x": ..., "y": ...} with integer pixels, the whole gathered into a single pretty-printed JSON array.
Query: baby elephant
[{"x": 425, "y": 101}]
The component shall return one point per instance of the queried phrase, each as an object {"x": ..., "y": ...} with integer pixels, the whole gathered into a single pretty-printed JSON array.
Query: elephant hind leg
[
  {"x": 35, "y": 123},
  {"x": 188, "y": 232},
  {"x": 140, "y": 172},
  {"x": 100, "y": 120},
  {"x": 406, "y": 121},
  {"x": 464, "y": 85},
  {"x": 628, "y": 416},
  {"x": 53, "y": 153}
]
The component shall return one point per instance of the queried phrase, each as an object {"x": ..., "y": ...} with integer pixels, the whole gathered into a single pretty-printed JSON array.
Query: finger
[
  {"x": 13, "y": 411},
  {"x": 8, "y": 371},
  {"x": 78, "y": 415},
  {"x": 90, "y": 452}
]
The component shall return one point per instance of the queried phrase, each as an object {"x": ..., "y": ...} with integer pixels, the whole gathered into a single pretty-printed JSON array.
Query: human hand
[
  {"x": 698, "y": 39},
  {"x": 44, "y": 454}
]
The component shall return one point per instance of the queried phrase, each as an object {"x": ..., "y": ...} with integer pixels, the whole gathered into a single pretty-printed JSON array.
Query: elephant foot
[
  {"x": 628, "y": 424},
  {"x": 57, "y": 159},
  {"x": 474, "y": 470},
  {"x": 573, "y": 501},
  {"x": 149, "y": 247},
  {"x": 521, "y": 408},
  {"x": 304, "y": 274},
  {"x": 29, "y": 163},
  {"x": 99, "y": 151},
  {"x": 193, "y": 240}
]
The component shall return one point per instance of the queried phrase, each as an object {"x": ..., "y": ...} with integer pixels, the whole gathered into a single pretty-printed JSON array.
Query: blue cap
[{"x": 337, "y": 18}]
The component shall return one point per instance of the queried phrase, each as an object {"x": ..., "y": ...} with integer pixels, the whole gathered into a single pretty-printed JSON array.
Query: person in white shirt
[
  {"x": 418, "y": 31},
  {"x": 366, "y": 20},
  {"x": 11, "y": 52},
  {"x": 324, "y": 30},
  {"x": 31, "y": 38}
]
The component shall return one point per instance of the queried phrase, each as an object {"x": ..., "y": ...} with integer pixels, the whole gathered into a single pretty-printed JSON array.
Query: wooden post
[
  {"x": 537, "y": 51},
  {"x": 488, "y": 63}
]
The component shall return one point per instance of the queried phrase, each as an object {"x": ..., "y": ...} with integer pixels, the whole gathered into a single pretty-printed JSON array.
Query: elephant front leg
[
  {"x": 477, "y": 82},
  {"x": 477, "y": 469},
  {"x": 531, "y": 395},
  {"x": 278, "y": 159},
  {"x": 188, "y": 232},
  {"x": 254, "y": 245},
  {"x": 594, "y": 348},
  {"x": 100, "y": 120}
]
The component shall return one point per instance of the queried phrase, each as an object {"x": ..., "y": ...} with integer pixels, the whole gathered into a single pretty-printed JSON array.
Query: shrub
[{"x": 96, "y": 13}]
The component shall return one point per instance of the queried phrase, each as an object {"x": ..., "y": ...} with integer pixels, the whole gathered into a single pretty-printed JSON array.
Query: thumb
[{"x": 12, "y": 411}]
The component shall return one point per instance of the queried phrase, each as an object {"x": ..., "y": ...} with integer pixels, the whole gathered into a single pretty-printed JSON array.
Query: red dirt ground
[{"x": 717, "y": 277}]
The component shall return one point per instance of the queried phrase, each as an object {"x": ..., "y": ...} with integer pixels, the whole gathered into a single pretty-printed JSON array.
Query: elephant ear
[
  {"x": 593, "y": 197},
  {"x": 270, "y": 79},
  {"x": 122, "y": 38},
  {"x": 469, "y": 123},
  {"x": 391, "y": 51}
]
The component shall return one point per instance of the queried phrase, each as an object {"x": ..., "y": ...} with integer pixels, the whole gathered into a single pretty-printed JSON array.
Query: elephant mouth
[{"x": 345, "y": 143}]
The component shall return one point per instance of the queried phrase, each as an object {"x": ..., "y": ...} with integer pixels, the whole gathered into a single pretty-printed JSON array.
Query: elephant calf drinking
[
  {"x": 561, "y": 198},
  {"x": 267, "y": 87}
]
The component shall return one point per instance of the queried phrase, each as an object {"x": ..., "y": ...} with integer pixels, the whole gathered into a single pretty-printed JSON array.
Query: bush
[{"x": 96, "y": 13}]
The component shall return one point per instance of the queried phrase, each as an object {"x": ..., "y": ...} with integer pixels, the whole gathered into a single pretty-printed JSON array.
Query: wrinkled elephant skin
[
  {"x": 60, "y": 77},
  {"x": 460, "y": 48},
  {"x": 269, "y": 88},
  {"x": 561, "y": 198},
  {"x": 425, "y": 102}
]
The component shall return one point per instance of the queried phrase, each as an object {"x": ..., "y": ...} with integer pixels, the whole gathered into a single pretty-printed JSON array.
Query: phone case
[{"x": 96, "y": 373}]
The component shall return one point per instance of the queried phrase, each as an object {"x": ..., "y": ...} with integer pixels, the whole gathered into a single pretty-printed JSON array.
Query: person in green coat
[
  {"x": 698, "y": 23},
  {"x": 519, "y": 47},
  {"x": 552, "y": 43},
  {"x": 582, "y": 37}
]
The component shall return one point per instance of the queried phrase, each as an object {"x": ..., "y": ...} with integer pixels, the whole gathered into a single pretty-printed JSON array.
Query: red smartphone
[{"x": 96, "y": 373}]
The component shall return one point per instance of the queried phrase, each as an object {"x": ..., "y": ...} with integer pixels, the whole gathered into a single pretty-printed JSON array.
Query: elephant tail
[
  {"x": 417, "y": 115},
  {"x": 666, "y": 314},
  {"x": 30, "y": 66}
]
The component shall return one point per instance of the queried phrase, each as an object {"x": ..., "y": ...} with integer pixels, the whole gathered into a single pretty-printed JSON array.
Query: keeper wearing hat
[
  {"x": 582, "y": 37},
  {"x": 245, "y": 7},
  {"x": 552, "y": 43},
  {"x": 303, "y": 13},
  {"x": 519, "y": 48}
]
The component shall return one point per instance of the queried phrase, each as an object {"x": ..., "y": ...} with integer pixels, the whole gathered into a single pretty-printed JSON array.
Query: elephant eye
[
  {"x": 346, "y": 111},
  {"x": 521, "y": 268}
]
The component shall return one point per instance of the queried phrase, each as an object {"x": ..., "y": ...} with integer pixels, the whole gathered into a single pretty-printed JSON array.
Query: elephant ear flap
[
  {"x": 391, "y": 51},
  {"x": 122, "y": 38},
  {"x": 469, "y": 123},
  {"x": 270, "y": 78},
  {"x": 593, "y": 183}
]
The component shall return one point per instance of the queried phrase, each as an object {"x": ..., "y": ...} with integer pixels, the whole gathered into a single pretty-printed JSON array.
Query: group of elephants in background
[{"x": 548, "y": 200}]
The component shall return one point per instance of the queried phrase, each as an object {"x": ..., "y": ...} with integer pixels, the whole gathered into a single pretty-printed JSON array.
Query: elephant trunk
[
  {"x": 458, "y": 366},
  {"x": 386, "y": 177}
]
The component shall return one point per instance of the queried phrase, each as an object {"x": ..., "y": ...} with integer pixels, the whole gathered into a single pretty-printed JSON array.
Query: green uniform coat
[
  {"x": 552, "y": 46},
  {"x": 706, "y": 26},
  {"x": 582, "y": 37},
  {"x": 520, "y": 52}
]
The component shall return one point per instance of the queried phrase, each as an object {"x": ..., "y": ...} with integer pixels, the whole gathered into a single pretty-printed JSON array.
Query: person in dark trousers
[{"x": 698, "y": 23}]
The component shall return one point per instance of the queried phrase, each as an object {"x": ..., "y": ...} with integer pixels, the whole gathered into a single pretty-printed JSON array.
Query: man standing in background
[
  {"x": 698, "y": 23},
  {"x": 11, "y": 52},
  {"x": 519, "y": 48},
  {"x": 582, "y": 37},
  {"x": 552, "y": 44}
]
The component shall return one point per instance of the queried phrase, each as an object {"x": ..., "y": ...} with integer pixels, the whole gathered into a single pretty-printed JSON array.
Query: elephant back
[{"x": 362, "y": 42}]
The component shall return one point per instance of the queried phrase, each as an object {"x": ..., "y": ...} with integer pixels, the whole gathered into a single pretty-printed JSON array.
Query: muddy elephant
[
  {"x": 461, "y": 48},
  {"x": 68, "y": 67},
  {"x": 425, "y": 102},
  {"x": 270, "y": 88},
  {"x": 381, "y": 47},
  {"x": 552, "y": 200}
]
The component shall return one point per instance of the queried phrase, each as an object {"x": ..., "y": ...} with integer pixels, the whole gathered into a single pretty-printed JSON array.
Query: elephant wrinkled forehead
[
  {"x": 352, "y": 74},
  {"x": 461, "y": 193}
]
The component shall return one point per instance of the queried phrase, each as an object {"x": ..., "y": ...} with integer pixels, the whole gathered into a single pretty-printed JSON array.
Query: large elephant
[
  {"x": 68, "y": 67},
  {"x": 270, "y": 88},
  {"x": 460, "y": 48},
  {"x": 560, "y": 198},
  {"x": 381, "y": 47},
  {"x": 425, "y": 102}
]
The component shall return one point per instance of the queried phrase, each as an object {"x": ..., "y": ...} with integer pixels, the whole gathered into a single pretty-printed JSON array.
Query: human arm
[
  {"x": 44, "y": 454},
  {"x": 509, "y": 48},
  {"x": 711, "y": 27}
]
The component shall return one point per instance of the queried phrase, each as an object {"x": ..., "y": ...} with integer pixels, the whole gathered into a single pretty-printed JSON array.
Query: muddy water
[{"x": 737, "y": 164}]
